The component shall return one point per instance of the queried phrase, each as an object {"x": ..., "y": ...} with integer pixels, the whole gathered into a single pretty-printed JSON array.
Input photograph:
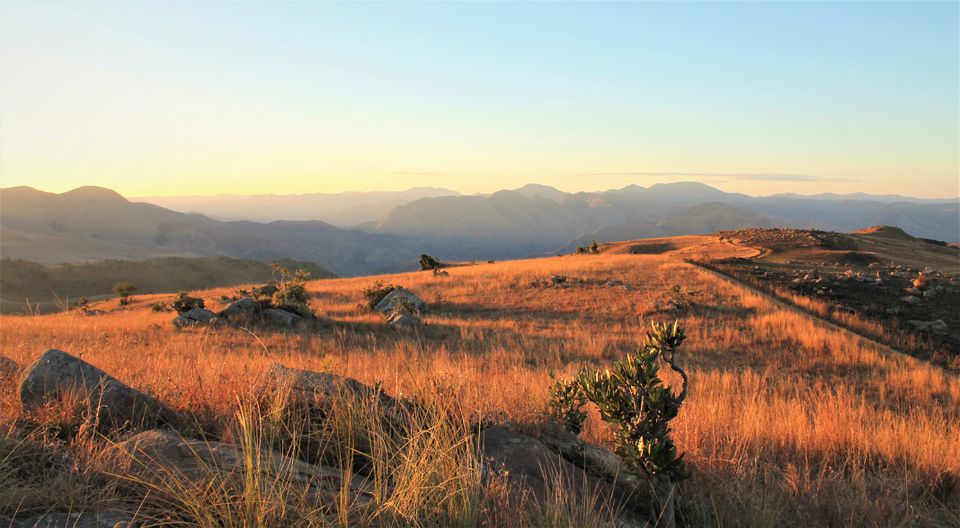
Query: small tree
[
  {"x": 291, "y": 289},
  {"x": 124, "y": 290},
  {"x": 429, "y": 263},
  {"x": 566, "y": 403},
  {"x": 594, "y": 248},
  {"x": 632, "y": 397}
]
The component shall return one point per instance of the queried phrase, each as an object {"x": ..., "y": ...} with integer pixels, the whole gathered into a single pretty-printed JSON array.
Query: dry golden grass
[{"x": 788, "y": 423}]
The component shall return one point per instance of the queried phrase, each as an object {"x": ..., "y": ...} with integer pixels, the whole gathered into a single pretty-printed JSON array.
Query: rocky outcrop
[
  {"x": 389, "y": 303},
  {"x": 240, "y": 311},
  {"x": 194, "y": 317},
  {"x": 57, "y": 374},
  {"x": 282, "y": 318}
]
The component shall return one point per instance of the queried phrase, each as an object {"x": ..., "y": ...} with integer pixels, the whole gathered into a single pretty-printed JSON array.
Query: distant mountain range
[
  {"x": 391, "y": 229},
  {"x": 92, "y": 223},
  {"x": 346, "y": 209}
]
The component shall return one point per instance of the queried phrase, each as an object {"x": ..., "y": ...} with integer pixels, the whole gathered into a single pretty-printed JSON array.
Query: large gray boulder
[
  {"x": 159, "y": 455},
  {"x": 194, "y": 317},
  {"x": 57, "y": 373},
  {"x": 530, "y": 458},
  {"x": 386, "y": 305},
  {"x": 282, "y": 318},
  {"x": 238, "y": 311}
]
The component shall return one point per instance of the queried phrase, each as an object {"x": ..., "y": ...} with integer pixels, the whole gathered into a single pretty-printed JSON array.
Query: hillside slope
[
  {"x": 27, "y": 285},
  {"x": 91, "y": 223}
]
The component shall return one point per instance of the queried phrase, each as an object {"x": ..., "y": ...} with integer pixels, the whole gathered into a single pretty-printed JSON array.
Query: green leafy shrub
[
  {"x": 375, "y": 293},
  {"x": 291, "y": 291},
  {"x": 566, "y": 402},
  {"x": 632, "y": 397},
  {"x": 184, "y": 303}
]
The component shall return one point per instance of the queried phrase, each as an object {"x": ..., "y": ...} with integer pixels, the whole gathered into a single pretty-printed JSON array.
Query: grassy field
[
  {"x": 788, "y": 423},
  {"x": 28, "y": 287}
]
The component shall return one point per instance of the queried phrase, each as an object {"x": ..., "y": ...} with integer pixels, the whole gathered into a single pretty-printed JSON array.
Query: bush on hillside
[
  {"x": 566, "y": 402},
  {"x": 631, "y": 396},
  {"x": 184, "y": 303},
  {"x": 124, "y": 289},
  {"x": 291, "y": 294},
  {"x": 375, "y": 293},
  {"x": 429, "y": 263}
]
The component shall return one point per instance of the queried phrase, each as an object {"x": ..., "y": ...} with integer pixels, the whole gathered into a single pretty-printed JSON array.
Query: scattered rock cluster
[
  {"x": 245, "y": 310},
  {"x": 562, "y": 281}
]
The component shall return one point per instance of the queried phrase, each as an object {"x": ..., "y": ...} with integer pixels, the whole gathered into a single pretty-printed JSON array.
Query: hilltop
[{"x": 828, "y": 417}]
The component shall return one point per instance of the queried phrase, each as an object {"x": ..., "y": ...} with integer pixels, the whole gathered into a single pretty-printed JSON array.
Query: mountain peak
[
  {"x": 543, "y": 191},
  {"x": 92, "y": 192}
]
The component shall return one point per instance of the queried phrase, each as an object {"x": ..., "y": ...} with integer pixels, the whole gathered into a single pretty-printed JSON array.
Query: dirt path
[{"x": 786, "y": 305}]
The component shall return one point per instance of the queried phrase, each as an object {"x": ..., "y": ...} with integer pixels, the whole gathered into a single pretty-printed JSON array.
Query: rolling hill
[
  {"x": 91, "y": 223},
  {"x": 28, "y": 286}
]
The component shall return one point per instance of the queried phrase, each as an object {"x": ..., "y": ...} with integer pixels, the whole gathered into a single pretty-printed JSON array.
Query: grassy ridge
[{"x": 22, "y": 281}]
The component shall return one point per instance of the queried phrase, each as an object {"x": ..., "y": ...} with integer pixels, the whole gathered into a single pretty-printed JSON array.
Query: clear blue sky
[{"x": 207, "y": 97}]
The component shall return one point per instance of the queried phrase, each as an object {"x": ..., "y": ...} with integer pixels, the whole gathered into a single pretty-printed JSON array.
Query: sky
[{"x": 192, "y": 98}]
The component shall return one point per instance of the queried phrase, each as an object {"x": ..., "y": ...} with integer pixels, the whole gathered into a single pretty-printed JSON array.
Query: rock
[
  {"x": 404, "y": 320},
  {"x": 938, "y": 327},
  {"x": 910, "y": 299},
  {"x": 929, "y": 294},
  {"x": 530, "y": 459},
  {"x": 93, "y": 312},
  {"x": 102, "y": 519},
  {"x": 282, "y": 318},
  {"x": 56, "y": 373},
  {"x": 193, "y": 317},
  {"x": 200, "y": 314},
  {"x": 240, "y": 310},
  {"x": 158, "y": 454},
  {"x": 317, "y": 392},
  {"x": 385, "y": 306},
  {"x": 441, "y": 273}
]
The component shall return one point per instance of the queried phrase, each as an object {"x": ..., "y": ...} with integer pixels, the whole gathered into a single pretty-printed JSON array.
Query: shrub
[
  {"x": 291, "y": 291},
  {"x": 185, "y": 303},
  {"x": 632, "y": 397},
  {"x": 429, "y": 263},
  {"x": 566, "y": 403},
  {"x": 124, "y": 290},
  {"x": 159, "y": 306},
  {"x": 594, "y": 248},
  {"x": 375, "y": 293}
]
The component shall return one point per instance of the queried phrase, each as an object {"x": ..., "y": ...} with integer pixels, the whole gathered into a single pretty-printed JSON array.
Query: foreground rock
[
  {"x": 8, "y": 367},
  {"x": 56, "y": 375},
  {"x": 389, "y": 303},
  {"x": 158, "y": 455},
  {"x": 537, "y": 459},
  {"x": 107, "y": 519}
]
